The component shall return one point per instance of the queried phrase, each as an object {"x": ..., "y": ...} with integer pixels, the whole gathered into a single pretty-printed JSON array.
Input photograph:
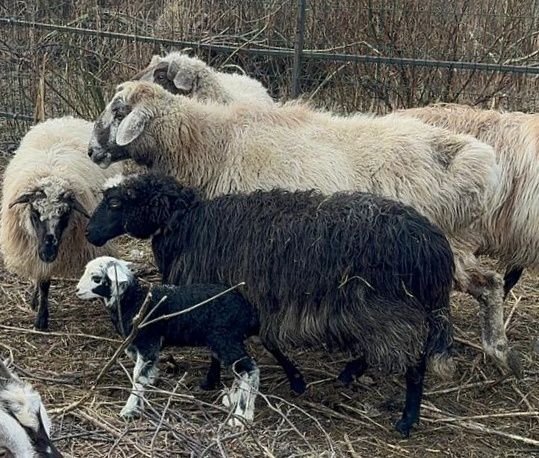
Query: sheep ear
[
  {"x": 76, "y": 205},
  {"x": 184, "y": 81},
  {"x": 155, "y": 60},
  {"x": 117, "y": 275},
  {"x": 5, "y": 375},
  {"x": 23, "y": 199},
  {"x": 131, "y": 127}
]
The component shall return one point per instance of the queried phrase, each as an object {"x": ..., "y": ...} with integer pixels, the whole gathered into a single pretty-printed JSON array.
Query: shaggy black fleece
[{"x": 351, "y": 271}]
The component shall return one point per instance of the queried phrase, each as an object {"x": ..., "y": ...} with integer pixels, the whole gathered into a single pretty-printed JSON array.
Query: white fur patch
[
  {"x": 23, "y": 402},
  {"x": 135, "y": 402},
  {"x": 114, "y": 181},
  {"x": 243, "y": 398},
  {"x": 13, "y": 437}
]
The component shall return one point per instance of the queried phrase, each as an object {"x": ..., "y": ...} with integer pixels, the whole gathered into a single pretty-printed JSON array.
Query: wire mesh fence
[{"x": 65, "y": 56}]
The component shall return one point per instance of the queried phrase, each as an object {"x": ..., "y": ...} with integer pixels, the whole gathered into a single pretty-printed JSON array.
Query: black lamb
[
  {"x": 222, "y": 325},
  {"x": 350, "y": 271}
]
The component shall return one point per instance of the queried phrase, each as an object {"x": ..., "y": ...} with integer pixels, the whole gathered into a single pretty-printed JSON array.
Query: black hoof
[
  {"x": 404, "y": 428},
  {"x": 41, "y": 323},
  {"x": 297, "y": 385},
  {"x": 345, "y": 378},
  {"x": 208, "y": 385}
]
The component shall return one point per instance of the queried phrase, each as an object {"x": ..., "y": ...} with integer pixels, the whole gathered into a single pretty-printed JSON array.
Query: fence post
[{"x": 298, "y": 48}]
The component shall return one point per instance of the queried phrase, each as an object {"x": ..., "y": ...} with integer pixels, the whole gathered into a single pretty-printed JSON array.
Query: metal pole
[{"x": 298, "y": 48}]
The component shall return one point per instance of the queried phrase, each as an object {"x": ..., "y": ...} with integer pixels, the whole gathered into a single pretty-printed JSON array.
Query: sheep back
[
  {"x": 508, "y": 227},
  {"x": 353, "y": 271}
]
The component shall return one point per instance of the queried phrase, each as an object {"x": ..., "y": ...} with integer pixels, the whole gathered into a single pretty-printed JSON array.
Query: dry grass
[{"x": 472, "y": 416}]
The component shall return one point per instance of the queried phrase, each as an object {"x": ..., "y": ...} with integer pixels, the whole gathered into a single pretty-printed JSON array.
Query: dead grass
[{"x": 473, "y": 416}]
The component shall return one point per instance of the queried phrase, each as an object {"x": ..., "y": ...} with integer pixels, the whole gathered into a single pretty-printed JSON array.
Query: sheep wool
[
  {"x": 225, "y": 148},
  {"x": 508, "y": 228},
  {"x": 51, "y": 158},
  {"x": 180, "y": 74}
]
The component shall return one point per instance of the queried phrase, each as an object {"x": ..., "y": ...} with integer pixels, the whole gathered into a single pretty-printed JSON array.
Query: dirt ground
[{"x": 481, "y": 413}]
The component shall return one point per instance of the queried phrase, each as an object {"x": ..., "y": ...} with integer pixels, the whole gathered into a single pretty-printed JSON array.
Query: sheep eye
[
  {"x": 96, "y": 278},
  {"x": 115, "y": 203},
  {"x": 160, "y": 77}
]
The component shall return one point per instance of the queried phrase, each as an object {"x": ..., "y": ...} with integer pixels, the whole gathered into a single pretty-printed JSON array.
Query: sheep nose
[
  {"x": 90, "y": 152},
  {"x": 50, "y": 240}
]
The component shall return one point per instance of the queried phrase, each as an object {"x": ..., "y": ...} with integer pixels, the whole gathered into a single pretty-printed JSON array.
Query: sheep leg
[
  {"x": 245, "y": 394},
  {"x": 510, "y": 279},
  {"x": 34, "y": 304},
  {"x": 242, "y": 398},
  {"x": 297, "y": 384},
  {"x": 213, "y": 378},
  {"x": 42, "y": 319},
  {"x": 414, "y": 392},
  {"x": 487, "y": 289},
  {"x": 144, "y": 374},
  {"x": 353, "y": 369}
]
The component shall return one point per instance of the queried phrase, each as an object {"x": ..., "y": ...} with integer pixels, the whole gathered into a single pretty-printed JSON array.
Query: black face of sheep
[
  {"x": 113, "y": 131},
  {"x": 122, "y": 210},
  {"x": 49, "y": 217}
]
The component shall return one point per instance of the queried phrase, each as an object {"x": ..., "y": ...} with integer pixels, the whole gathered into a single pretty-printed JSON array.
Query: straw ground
[{"x": 480, "y": 413}]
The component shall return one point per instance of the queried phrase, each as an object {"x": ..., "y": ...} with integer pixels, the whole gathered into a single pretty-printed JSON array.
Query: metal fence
[{"x": 65, "y": 56}]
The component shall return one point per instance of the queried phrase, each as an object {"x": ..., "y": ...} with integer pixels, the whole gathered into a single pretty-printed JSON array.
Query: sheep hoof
[
  {"x": 208, "y": 385},
  {"x": 128, "y": 413},
  {"x": 41, "y": 323},
  {"x": 403, "y": 427},
  {"x": 514, "y": 363},
  {"x": 235, "y": 423},
  {"x": 297, "y": 385},
  {"x": 345, "y": 378}
]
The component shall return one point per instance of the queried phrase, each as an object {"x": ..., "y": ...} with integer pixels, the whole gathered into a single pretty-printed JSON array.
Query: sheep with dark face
[
  {"x": 352, "y": 272},
  {"x": 222, "y": 325},
  {"x": 179, "y": 73},
  {"x": 219, "y": 148},
  {"x": 24, "y": 423},
  {"x": 48, "y": 188}
]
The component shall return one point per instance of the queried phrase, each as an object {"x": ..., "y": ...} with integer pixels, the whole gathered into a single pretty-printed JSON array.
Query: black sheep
[
  {"x": 351, "y": 271},
  {"x": 222, "y": 325}
]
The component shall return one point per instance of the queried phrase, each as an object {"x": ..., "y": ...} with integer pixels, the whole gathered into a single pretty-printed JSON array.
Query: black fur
[
  {"x": 353, "y": 271},
  {"x": 222, "y": 325}
]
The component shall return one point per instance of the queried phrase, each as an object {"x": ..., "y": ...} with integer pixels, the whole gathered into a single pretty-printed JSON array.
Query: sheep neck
[
  {"x": 127, "y": 307},
  {"x": 195, "y": 150}
]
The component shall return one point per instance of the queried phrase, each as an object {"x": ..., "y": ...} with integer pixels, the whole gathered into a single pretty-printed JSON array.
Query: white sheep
[
  {"x": 223, "y": 148},
  {"x": 49, "y": 187},
  {"x": 24, "y": 423},
  {"x": 180, "y": 74},
  {"x": 508, "y": 229}
]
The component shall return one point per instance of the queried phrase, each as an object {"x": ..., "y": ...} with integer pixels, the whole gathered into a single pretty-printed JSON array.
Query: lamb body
[
  {"x": 507, "y": 230},
  {"x": 354, "y": 272},
  {"x": 180, "y": 74},
  {"x": 222, "y": 325},
  {"x": 48, "y": 187},
  {"x": 220, "y": 149}
]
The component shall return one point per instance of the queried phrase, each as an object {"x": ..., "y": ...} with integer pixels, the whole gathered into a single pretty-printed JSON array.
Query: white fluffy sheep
[
  {"x": 219, "y": 149},
  {"x": 508, "y": 229},
  {"x": 49, "y": 186},
  {"x": 180, "y": 74}
]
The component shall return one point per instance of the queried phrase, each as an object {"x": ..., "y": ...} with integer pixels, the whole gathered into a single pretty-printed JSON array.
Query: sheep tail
[{"x": 439, "y": 347}]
